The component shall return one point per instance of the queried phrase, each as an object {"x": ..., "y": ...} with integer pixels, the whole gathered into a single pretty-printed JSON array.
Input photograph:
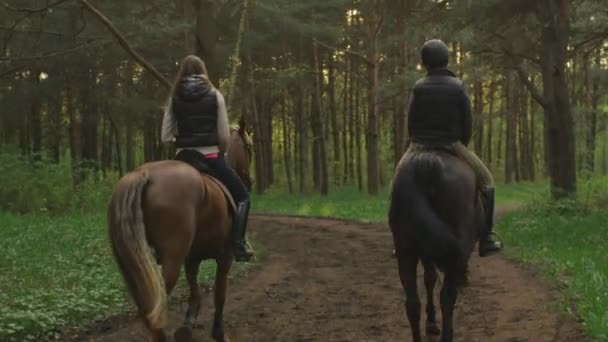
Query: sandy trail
[{"x": 327, "y": 280}]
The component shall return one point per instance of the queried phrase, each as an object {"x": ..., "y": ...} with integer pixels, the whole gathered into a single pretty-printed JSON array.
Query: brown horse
[
  {"x": 166, "y": 212},
  {"x": 435, "y": 216}
]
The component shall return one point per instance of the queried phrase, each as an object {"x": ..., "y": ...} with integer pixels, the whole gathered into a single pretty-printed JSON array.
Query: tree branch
[
  {"x": 348, "y": 52},
  {"x": 49, "y": 33},
  {"x": 508, "y": 53},
  {"x": 32, "y": 10},
  {"x": 123, "y": 42},
  {"x": 12, "y": 70},
  {"x": 531, "y": 86},
  {"x": 87, "y": 44}
]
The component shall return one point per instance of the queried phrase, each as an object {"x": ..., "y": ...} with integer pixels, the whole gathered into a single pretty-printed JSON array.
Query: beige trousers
[{"x": 484, "y": 176}]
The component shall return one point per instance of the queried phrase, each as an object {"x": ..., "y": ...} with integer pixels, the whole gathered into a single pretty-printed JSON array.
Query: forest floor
[{"x": 333, "y": 280}]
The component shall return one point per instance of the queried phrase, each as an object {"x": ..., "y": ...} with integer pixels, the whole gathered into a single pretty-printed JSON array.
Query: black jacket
[
  {"x": 440, "y": 110},
  {"x": 195, "y": 110}
]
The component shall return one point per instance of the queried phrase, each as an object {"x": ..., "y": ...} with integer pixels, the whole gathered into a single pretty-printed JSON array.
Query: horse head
[{"x": 240, "y": 152}]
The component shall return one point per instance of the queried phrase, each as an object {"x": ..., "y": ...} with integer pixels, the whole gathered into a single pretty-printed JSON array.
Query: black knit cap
[{"x": 435, "y": 54}]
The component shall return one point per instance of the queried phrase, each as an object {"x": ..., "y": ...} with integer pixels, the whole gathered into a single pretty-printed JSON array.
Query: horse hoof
[
  {"x": 432, "y": 329},
  {"x": 183, "y": 334},
  {"x": 219, "y": 337}
]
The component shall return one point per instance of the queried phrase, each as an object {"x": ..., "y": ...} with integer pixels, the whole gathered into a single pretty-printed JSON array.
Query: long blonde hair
[{"x": 190, "y": 66}]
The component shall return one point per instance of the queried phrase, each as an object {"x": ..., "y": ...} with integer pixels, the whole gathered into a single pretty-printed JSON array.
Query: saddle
[{"x": 195, "y": 159}]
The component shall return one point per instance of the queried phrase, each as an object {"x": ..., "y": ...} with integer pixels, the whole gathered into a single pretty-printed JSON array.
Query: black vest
[
  {"x": 195, "y": 110},
  {"x": 439, "y": 112}
]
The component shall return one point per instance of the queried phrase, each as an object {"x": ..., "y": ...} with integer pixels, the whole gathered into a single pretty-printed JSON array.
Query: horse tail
[
  {"x": 133, "y": 254},
  {"x": 432, "y": 235}
]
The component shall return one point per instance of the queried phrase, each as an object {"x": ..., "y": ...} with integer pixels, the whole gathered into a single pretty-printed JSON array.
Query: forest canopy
[{"x": 324, "y": 85}]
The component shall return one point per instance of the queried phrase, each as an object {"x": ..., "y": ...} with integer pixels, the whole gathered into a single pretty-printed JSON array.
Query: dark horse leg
[
  {"x": 430, "y": 278},
  {"x": 408, "y": 264},
  {"x": 184, "y": 333},
  {"x": 449, "y": 293},
  {"x": 221, "y": 281},
  {"x": 194, "y": 302}
]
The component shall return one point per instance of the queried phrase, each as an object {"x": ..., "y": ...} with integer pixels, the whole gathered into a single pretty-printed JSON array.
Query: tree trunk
[
  {"x": 510, "y": 147},
  {"x": 300, "y": 133},
  {"x": 149, "y": 144},
  {"x": 286, "y": 145},
  {"x": 352, "y": 135},
  {"x": 266, "y": 117},
  {"x": 478, "y": 116},
  {"x": 524, "y": 136},
  {"x": 317, "y": 122},
  {"x": 129, "y": 145},
  {"x": 36, "y": 115},
  {"x": 373, "y": 58},
  {"x": 560, "y": 130},
  {"x": 358, "y": 115},
  {"x": 401, "y": 103},
  {"x": 490, "y": 129},
  {"x": 345, "y": 113},
  {"x": 533, "y": 149},
  {"x": 592, "y": 99},
  {"x": 206, "y": 35},
  {"x": 54, "y": 125},
  {"x": 335, "y": 130},
  {"x": 74, "y": 131},
  {"x": 90, "y": 119}
]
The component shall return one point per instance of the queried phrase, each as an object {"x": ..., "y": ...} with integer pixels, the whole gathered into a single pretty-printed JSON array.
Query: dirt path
[{"x": 327, "y": 280}]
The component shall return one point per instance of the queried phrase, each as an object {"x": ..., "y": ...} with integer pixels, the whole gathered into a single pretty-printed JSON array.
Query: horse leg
[
  {"x": 160, "y": 336},
  {"x": 430, "y": 278},
  {"x": 408, "y": 265},
  {"x": 171, "y": 267},
  {"x": 449, "y": 293},
  {"x": 221, "y": 281},
  {"x": 184, "y": 333},
  {"x": 194, "y": 303}
]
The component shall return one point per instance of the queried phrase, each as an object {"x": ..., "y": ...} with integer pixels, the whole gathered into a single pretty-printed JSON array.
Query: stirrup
[
  {"x": 243, "y": 252},
  {"x": 490, "y": 245}
]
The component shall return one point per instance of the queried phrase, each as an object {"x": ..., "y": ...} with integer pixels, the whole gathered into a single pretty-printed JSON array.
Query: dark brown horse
[
  {"x": 166, "y": 212},
  {"x": 435, "y": 216}
]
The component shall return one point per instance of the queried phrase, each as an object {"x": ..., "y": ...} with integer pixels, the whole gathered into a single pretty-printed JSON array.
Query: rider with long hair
[
  {"x": 196, "y": 117},
  {"x": 440, "y": 116}
]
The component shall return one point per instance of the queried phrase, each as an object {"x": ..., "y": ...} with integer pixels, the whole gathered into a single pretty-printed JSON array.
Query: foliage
[
  {"x": 30, "y": 186},
  {"x": 58, "y": 275},
  {"x": 349, "y": 203},
  {"x": 567, "y": 240},
  {"x": 55, "y": 272}
]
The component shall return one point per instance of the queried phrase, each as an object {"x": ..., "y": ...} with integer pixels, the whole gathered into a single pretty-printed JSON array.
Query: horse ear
[{"x": 242, "y": 125}]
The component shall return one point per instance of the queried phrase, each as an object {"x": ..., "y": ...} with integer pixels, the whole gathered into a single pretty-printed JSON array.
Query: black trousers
[{"x": 218, "y": 168}]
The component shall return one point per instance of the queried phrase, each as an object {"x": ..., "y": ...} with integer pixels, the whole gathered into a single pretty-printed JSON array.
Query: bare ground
[{"x": 327, "y": 280}]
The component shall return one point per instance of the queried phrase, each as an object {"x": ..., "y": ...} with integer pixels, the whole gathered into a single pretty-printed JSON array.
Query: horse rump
[{"x": 412, "y": 216}]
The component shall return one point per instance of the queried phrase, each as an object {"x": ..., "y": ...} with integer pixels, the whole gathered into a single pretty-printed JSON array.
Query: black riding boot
[
  {"x": 242, "y": 249},
  {"x": 488, "y": 244}
]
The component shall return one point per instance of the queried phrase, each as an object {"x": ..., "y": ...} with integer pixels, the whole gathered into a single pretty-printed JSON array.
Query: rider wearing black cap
[{"x": 440, "y": 116}]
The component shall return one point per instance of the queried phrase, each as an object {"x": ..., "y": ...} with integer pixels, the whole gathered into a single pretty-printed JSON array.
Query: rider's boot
[
  {"x": 242, "y": 250},
  {"x": 488, "y": 243}
]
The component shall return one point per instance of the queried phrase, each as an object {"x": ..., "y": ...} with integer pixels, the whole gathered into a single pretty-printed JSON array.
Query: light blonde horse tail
[{"x": 132, "y": 252}]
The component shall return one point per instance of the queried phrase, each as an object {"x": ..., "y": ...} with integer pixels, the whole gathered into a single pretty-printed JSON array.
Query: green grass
[
  {"x": 570, "y": 248},
  {"x": 55, "y": 272},
  {"x": 349, "y": 203},
  {"x": 58, "y": 273}
]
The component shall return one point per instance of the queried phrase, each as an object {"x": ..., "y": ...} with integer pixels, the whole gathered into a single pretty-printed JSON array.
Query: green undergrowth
[
  {"x": 350, "y": 203},
  {"x": 44, "y": 187},
  {"x": 568, "y": 242},
  {"x": 57, "y": 274}
]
